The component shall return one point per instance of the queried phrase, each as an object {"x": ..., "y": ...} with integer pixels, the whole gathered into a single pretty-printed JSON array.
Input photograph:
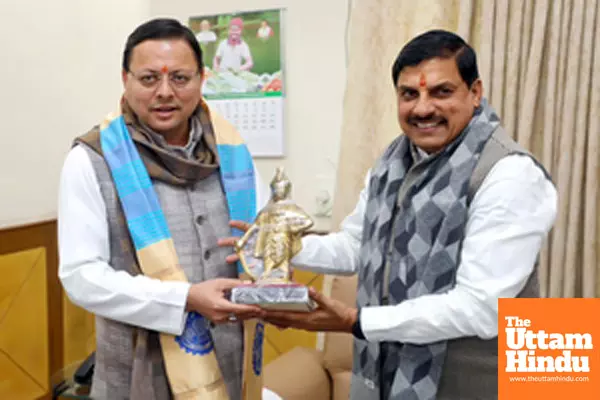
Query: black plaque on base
[{"x": 280, "y": 296}]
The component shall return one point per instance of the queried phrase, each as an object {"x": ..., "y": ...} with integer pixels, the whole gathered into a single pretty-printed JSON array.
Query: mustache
[{"x": 425, "y": 119}]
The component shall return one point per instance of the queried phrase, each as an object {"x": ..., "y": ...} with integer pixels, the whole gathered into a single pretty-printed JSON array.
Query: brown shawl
[{"x": 162, "y": 164}]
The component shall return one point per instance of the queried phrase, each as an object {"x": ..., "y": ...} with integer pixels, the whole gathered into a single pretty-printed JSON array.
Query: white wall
[
  {"x": 315, "y": 77},
  {"x": 59, "y": 75}
]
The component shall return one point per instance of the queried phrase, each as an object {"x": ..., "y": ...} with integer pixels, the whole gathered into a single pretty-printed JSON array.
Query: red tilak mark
[
  {"x": 164, "y": 69},
  {"x": 422, "y": 81}
]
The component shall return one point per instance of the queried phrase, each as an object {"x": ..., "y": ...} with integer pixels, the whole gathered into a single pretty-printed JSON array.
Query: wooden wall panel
[
  {"x": 34, "y": 337},
  {"x": 24, "y": 352},
  {"x": 79, "y": 333}
]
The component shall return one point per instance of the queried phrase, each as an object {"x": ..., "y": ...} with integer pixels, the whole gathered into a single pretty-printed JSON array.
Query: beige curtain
[{"x": 540, "y": 65}]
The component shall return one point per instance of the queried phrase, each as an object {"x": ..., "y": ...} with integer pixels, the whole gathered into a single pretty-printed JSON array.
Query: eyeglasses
[{"x": 178, "y": 80}]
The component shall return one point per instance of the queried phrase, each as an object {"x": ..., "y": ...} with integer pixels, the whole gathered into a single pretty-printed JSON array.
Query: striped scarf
[{"x": 134, "y": 160}]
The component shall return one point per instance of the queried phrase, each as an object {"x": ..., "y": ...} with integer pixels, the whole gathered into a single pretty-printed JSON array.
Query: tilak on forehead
[
  {"x": 164, "y": 69},
  {"x": 422, "y": 80}
]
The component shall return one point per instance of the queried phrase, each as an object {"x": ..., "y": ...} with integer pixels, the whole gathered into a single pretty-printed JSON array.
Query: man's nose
[
  {"x": 164, "y": 87},
  {"x": 424, "y": 107}
]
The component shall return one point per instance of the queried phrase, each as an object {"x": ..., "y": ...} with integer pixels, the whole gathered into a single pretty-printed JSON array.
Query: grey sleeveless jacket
[
  {"x": 197, "y": 217},
  {"x": 470, "y": 368}
]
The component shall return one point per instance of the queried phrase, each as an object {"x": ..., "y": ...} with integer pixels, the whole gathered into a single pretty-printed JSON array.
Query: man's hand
[
  {"x": 208, "y": 299},
  {"x": 232, "y": 241},
  {"x": 331, "y": 315}
]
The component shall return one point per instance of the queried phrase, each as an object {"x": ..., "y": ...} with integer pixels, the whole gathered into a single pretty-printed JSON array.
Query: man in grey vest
[
  {"x": 452, "y": 217},
  {"x": 174, "y": 141}
]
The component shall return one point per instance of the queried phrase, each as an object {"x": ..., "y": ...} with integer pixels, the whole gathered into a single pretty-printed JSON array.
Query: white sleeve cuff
[
  {"x": 178, "y": 313},
  {"x": 369, "y": 324}
]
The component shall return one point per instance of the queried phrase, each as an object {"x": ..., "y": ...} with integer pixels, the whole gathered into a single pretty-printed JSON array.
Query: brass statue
[{"x": 277, "y": 233}]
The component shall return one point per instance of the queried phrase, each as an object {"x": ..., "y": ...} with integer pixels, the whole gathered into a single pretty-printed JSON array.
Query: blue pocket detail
[
  {"x": 195, "y": 338},
  {"x": 257, "y": 349}
]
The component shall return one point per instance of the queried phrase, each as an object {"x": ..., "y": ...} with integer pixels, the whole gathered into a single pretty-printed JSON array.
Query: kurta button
[
  {"x": 207, "y": 254},
  {"x": 199, "y": 219},
  {"x": 370, "y": 384}
]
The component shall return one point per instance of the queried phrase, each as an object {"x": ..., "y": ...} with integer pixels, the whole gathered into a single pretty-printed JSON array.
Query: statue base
[{"x": 274, "y": 296}]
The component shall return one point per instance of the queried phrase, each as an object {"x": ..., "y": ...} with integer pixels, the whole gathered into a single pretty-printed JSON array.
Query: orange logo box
[{"x": 548, "y": 349}]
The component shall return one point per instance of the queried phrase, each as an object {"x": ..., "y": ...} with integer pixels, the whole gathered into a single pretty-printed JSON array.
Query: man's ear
[
  {"x": 124, "y": 77},
  {"x": 477, "y": 91}
]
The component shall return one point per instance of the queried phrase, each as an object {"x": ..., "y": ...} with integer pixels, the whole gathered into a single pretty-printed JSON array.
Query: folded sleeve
[{"x": 336, "y": 253}]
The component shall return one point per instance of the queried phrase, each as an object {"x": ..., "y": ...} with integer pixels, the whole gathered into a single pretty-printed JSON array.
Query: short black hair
[
  {"x": 438, "y": 44},
  {"x": 161, "y": 28}
]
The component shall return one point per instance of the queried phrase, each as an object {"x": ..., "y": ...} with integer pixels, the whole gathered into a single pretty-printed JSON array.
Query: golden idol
[{"x": 267, "y": 248}]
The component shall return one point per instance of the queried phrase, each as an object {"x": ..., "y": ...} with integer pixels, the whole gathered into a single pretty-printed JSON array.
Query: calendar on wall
[
  {"x": 259, "y": 121},
  {"x": 243, "y": 70}
]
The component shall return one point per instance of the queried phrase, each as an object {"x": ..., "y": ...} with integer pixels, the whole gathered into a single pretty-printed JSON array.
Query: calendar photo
[
  {"x": 241, "y": 53},
  {"x": 243, "y": 75}
]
